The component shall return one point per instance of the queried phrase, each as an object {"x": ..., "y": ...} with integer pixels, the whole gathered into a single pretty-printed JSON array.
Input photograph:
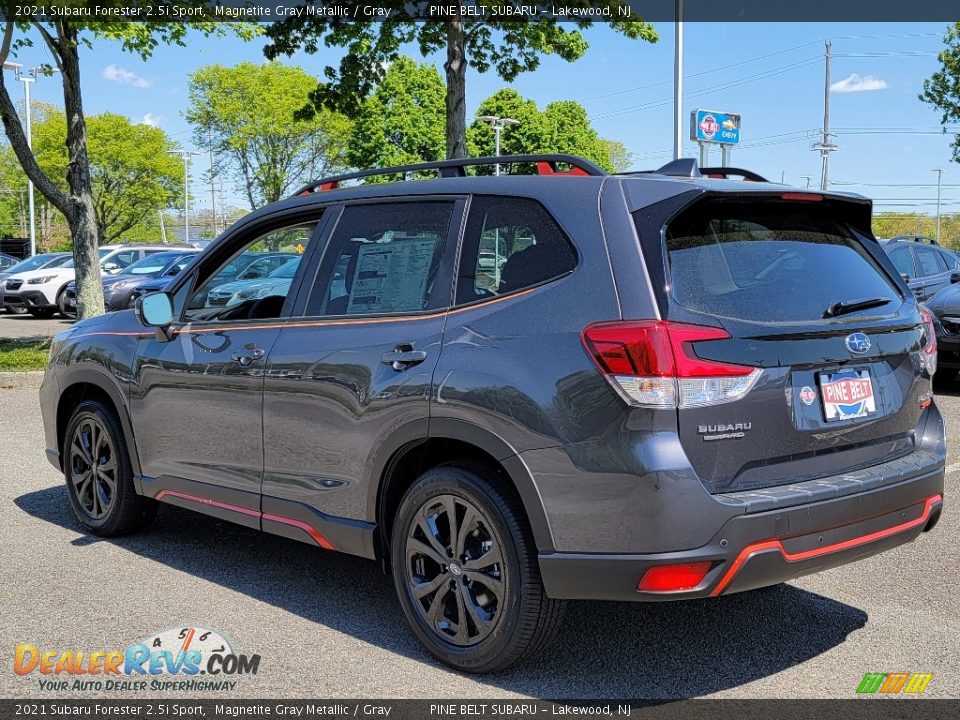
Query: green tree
[
  {"x": 561, "y": 127},
  {"x": 402, "y": 121},
  {"x": 246, "y": 114},
  {"x": 63, "y": 40},
  {"x": 942, "y": 89},
  {"x": 508, "y": 46},
  {"x": 621, "y": 159}
]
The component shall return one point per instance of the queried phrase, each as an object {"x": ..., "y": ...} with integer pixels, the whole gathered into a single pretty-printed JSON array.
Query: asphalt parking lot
[
  {"x": 328, "y": 626},
  {"x": 24, "y": 325}
]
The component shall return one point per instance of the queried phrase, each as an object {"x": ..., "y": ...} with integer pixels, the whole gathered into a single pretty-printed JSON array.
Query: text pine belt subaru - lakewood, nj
[{"x": 520, "y": 389}]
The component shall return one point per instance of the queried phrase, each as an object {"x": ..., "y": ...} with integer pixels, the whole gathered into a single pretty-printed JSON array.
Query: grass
[{"x": 28, "y": 354}]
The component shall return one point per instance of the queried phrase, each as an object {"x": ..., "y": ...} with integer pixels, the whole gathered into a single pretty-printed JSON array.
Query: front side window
[
  {"x": 243, "y": 286},
  {"x": 510, "y": 244},
  {"x": 902, "y": 262},
  {"x": 382, "y": 258}
]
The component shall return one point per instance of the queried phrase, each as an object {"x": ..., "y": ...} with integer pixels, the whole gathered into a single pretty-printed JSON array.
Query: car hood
[
  {"x": 238, "y": 285},
  {"x": 64, "y": 273}
]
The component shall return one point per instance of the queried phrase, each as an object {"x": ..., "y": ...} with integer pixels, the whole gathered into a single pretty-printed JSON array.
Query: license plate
[{"x": 847, "y": 394}]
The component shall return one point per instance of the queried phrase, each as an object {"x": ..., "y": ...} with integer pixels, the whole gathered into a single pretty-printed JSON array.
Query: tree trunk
[
  {"x": 456, "y": 70},
  {"x": 81, "y": 218}
]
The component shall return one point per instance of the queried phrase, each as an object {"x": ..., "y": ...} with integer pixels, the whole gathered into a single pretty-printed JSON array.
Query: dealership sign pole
[{"x": 710, "y": 127}]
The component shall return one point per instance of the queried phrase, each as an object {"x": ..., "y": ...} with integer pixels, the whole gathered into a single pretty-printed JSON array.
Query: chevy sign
[{"x": 710, "y": 126}]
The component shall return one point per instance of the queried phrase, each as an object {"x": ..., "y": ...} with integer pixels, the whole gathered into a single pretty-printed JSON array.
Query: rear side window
[
  {"x": 770, "y": 261},
  {"x": 929, "y": 261},
  {"x": 383, "y": 258},
  {"x": 510, "y": 244}
]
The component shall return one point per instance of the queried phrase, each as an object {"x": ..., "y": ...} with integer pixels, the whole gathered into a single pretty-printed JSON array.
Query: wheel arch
[
  {"x": 448, "y": 441},
  {"x": 88, "y": 385}
]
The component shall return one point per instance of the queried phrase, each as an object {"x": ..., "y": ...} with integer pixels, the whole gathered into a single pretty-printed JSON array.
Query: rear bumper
[{"x": 766, "y": 548}]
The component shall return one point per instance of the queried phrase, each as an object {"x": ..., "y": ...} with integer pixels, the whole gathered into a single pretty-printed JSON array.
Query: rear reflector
[
  {"x": 666, "y": 578},
  {"x": 652, "y": 363}
]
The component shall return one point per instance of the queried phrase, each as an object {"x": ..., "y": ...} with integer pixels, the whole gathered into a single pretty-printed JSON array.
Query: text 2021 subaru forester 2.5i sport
[{"x": 673, "y": 386}]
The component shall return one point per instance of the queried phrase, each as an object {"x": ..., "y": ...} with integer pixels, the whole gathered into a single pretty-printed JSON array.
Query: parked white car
[{"x": 41, "y": 292}]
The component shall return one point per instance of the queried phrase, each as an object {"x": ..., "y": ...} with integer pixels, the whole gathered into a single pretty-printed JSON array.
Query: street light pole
[
  {"x": 186, "y": 155},
  {"x": 808, "y": 178},
  {"x": 498, "y": 124},
  {"x": 678, "y": 85},
  {"x": 939, "y": 172},
  {"x": 26, "y": 78}
]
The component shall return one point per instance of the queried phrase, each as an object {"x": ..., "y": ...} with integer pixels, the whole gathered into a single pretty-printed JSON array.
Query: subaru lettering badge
[{"x": 858, "y": 343}]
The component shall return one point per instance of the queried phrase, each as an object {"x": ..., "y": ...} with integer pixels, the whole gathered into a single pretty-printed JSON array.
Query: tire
[
  {"x": 106, "y": 503},
  {"x": 41, "y": 313},
  {"x": 62, "y": 306},
  {"x": 522, "y": 619}
]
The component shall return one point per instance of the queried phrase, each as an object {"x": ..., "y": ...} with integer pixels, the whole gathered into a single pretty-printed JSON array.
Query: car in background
[
  {"x": 42, "y": 292},
  {"x": 248, "y": 266},
  {"x": 925, "y": 266},
  {"x": 7, "y": 261},
  {"x": 34, "y": 262},
  {"x": 276, "y": 282},
  {"x": 118, "y": 289}
]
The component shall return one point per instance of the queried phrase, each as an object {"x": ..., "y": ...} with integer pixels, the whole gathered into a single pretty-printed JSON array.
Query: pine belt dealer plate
[{"x": 847, "y": 395}]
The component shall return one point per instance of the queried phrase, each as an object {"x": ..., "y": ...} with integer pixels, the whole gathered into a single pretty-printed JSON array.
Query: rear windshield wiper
[{"x": 845, "y": 307}]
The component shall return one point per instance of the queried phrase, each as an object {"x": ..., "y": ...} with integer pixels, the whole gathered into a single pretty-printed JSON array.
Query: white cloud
[
  {"x": 856, "y": 83},
  {"x": 151, "y": 120},
  {"x": 116, "y": 74}
]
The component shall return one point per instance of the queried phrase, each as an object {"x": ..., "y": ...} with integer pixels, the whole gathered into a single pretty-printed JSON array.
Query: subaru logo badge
[{"x": 858, "y": 343}]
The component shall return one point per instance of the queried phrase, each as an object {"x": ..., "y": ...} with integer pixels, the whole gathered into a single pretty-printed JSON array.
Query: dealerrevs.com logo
[
  {"x": 189, "y": 659},
  {"x": 895, "y": 683}
]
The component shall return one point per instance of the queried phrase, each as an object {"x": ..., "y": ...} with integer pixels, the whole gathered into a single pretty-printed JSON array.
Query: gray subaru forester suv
[{"x": 520, "y": 389}]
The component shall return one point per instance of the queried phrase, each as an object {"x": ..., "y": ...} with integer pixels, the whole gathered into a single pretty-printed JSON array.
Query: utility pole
[
  {"x": 27, "y": 78},
  {"x": 678, "y": 84},
  {"x": 186, "y": 155},
  {"x": 825, "y": 146},
  {"x": 939, "y": 172},
  {"x": 213, "y": 192},
  {"x": 808, "y": 178},
  {"x": 498, "y": 124}
]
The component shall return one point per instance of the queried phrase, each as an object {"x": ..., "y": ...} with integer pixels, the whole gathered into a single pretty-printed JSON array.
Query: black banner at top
[{"x": 492, "y": 11}]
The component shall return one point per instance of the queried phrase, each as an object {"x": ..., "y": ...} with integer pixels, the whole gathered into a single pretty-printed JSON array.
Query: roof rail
[
  {"x": 915, "y": 238},
  {"x": 546, "y": 165},
  {"x": 724, "y": 173},
  {"x": 688, "y": 168}
]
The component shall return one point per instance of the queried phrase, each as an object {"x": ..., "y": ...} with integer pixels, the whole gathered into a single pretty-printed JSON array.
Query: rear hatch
[{"x": 812, "y": 301}]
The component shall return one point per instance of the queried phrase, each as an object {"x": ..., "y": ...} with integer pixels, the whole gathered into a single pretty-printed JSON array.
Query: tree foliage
[
  {"x": 494, "y": 42},
  {"x": 561, "y": 127},
  {"x": 402, "y": 121},
  {"x": 246, "y": 114},
  {"x": 942, "y": 89}
]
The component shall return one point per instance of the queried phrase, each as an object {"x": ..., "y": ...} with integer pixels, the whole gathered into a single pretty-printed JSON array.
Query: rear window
[{"x": 770, "y": 261}]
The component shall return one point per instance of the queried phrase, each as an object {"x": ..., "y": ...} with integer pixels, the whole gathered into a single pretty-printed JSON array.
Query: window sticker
[{"x": 391, "y": 277}]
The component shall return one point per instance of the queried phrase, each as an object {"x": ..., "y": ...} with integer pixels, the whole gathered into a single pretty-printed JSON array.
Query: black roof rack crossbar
[
  {"x": 689, "y": 168},
  {"x": 546, "y": 165}
]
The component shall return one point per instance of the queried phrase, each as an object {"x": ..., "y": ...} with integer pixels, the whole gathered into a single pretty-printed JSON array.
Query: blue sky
[{"x": 772, "y": 74}]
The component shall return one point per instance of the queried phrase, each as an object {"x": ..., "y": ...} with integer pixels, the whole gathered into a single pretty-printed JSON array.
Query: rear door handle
[
  {"x": 250, "y": 353},
  {"x": 403, "y": 356}
]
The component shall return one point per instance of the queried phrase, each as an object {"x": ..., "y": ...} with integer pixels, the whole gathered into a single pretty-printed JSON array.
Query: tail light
[
  {"x": 652, "y": 363},
  {"x": 928, "y": 356}
]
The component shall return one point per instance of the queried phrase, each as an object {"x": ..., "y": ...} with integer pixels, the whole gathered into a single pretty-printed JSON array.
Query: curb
[{"x": 21, "y": 380}]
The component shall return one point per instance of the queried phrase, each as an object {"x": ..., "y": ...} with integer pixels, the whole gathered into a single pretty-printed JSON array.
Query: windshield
[
  {"x": 102, "y": 252},
  {"x": 151, "y": 265},
  {"x": 33, "y": 263},
  {"x": 287, "y": 270}
]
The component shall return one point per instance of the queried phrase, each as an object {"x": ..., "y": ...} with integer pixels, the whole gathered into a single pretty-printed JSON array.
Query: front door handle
[
  {"x": 403, "y": 356},
  {"x": 250, "y": 353}
]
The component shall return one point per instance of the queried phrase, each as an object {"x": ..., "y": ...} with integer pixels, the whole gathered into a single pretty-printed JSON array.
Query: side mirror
[
  {"x": 954, "y": 278},
  {"x": 155, "y": 310},
  {"x": 111, "y": 267},
  {"x": 905, "y": 276}
]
